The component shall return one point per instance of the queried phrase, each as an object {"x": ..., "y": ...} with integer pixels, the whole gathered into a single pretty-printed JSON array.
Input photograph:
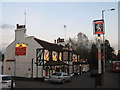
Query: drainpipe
[{"x": 32, "y": 69}]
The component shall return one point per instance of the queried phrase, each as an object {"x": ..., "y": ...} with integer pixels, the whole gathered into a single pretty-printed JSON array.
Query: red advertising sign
[
  {"x": 98, "y": 26},
  {"x": 20, "y": 49}
]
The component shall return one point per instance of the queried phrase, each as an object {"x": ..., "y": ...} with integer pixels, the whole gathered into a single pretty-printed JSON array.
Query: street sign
[{"x": 98, "y": 26}]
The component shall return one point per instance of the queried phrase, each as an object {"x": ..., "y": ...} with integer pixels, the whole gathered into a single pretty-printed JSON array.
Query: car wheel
[
  {"x": 63, "y": 81},
  {"x": 70, "y": 79}
]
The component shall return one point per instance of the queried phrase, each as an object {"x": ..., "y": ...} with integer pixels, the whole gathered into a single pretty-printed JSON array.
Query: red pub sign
[
  {"x": 20, "y": 49},
  {"x": 98, "y": 26}
]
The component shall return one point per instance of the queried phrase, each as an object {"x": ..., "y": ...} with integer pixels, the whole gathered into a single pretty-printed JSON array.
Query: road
[
  {"x": 111, "y": 80},
  {"x": 81, "y": 81}
]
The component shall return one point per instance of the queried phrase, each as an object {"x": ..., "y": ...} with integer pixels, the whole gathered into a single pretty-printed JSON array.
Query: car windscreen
[
  {"x": 6, "y": 78},
  {"x": 56, "y": 74}
]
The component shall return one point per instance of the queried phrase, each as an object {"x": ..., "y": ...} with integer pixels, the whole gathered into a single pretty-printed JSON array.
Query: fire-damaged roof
[
  {"x": 49, "y": 46},
  {"x": 54, "y": 63}
]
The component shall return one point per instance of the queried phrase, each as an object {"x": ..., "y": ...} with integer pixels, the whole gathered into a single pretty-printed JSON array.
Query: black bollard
[
  {"x": 12, "y": 87},
  {"x": 98, "y": 80}
]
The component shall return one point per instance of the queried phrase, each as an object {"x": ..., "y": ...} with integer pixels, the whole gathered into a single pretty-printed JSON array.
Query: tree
[
  {"x": 88, "y": 49},
  {"x": 118, "y": 55},
  {"x": 109, "y": 51},
  {"x": 92, "y": 58},
  {"x": 80, "y": 45}
]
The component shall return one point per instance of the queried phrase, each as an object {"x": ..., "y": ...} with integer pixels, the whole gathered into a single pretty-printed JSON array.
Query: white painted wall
[
  {"x": 10, "y": 52},
  {"x": 26, "y": 61},
  {"x": 10, "y": 67},
  {"x": 22, "y": 62},
  {"x": 9, "y": 55},
  {"x": 31, "y": 53}
]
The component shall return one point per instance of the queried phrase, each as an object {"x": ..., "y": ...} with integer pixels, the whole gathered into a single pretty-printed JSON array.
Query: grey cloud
[{"x": 7, "y": 26}]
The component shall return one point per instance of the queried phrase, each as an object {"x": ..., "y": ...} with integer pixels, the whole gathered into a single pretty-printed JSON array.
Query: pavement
[{"x": 111, "y": 80}]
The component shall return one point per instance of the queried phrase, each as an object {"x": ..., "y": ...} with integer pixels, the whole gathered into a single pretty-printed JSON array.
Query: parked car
[
  {"x": 60, "y": 77},
  {"x": 6, "y": 81},
  {"x": 94, "y": 73}
]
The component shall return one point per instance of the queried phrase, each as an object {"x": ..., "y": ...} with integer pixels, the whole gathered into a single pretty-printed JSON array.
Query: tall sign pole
[
  {"x": 103, "y": 45},
  {"x": 99, "y": 55},
  {"x": 99, "y": 29}
]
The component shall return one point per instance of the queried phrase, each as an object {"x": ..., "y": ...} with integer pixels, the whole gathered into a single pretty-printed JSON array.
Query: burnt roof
[{"x": 49, "y": 46}]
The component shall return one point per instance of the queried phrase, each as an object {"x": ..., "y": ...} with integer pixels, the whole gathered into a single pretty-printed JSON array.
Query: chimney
[
  {"x": 20, "y": 26},
  {"x": 55, "y": 41},
  {"x": 20, "y": 33},
  {"x": 61, "y": 41}
]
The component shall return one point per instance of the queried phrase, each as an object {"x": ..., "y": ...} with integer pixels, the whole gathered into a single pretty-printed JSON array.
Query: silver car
[{"x": 60, "y": 77}]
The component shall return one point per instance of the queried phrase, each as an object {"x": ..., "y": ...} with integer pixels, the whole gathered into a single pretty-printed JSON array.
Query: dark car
[{"x": 94, "y": 73}]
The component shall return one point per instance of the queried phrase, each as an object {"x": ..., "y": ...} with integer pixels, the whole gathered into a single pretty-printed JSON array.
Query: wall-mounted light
[{"x": 18, "y": 45}]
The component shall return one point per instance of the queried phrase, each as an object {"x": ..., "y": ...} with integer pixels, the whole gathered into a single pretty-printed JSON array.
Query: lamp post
[
  {"x": 104, "y": 39},
  {"x": 106, "y": 10},
  {"x": 80, "y": 69},
  {"x": 98, "y": 29}
]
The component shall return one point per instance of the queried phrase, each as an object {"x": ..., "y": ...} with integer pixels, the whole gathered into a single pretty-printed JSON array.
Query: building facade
[{"x": 31, "y": 57}]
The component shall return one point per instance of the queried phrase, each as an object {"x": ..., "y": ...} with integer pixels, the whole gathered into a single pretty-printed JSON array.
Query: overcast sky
[{"x": 46, "y": 20}]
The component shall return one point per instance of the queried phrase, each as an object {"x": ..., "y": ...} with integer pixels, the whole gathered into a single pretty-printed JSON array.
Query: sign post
[
  {"x": 99, "y": 56},
  {"x": 98, "y": 26}
]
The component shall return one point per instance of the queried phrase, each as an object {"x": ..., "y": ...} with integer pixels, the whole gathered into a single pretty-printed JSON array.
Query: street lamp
[
  {"x": 104, "y": 38},
  {"x": 106, "y": 10}
]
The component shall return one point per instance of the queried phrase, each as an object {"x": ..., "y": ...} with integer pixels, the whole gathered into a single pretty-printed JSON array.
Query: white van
[{"x": 6, "y": 81}]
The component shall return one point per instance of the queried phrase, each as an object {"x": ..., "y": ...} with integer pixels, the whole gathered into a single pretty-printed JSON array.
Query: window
[
  {"x": 64, "y": 74},
  {"x": 6, "y": 78},
  {"x": 56, "y": 74}
]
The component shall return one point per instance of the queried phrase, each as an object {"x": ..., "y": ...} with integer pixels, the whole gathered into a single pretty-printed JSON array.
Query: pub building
[{"x": 30, "y": 57}]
